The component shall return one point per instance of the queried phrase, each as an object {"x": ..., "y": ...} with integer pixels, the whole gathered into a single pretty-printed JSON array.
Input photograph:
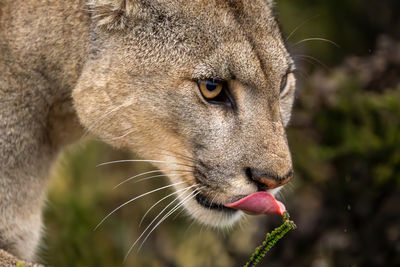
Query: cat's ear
[{"x": 113, "y": 14}]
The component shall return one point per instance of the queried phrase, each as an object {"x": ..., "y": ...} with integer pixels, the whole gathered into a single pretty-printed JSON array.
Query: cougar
[{"x": 202, "y": 88}]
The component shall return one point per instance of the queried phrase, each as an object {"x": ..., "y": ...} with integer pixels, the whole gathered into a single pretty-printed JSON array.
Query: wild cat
[{"x": 203, "y": 88}]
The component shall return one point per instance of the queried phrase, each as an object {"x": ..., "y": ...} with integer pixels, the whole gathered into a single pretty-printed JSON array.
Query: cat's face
[{"x": 205, "y": 88}]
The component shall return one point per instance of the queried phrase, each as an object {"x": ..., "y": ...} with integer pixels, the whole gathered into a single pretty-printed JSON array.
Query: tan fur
[{"x": 131, "y": 67}]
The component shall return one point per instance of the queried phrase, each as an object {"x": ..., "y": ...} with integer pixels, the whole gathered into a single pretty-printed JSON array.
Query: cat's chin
[{"x": 212, "y": 217}]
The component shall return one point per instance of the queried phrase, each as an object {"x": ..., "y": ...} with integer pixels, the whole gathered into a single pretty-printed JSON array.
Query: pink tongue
[{"x": 258, "y": 203}]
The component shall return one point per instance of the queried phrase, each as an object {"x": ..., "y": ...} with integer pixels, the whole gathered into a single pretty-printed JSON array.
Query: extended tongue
[{"x": 258, "y": 203}]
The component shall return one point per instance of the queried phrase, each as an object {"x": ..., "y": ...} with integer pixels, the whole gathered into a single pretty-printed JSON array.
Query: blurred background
[{"x": 345, "y": 140}]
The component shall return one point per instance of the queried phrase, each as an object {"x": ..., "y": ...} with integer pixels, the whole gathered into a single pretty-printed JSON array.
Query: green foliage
[
  {"x": 270, "y": 240},
  {"x": 361, "y": 128},
  {"x": 346, "y": 148}
]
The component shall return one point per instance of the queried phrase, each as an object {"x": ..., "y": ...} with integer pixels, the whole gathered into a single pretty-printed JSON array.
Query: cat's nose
[{"x": 265, "y": 181}]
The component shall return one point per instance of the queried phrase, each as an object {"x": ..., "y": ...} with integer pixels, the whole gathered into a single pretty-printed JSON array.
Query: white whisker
[
  {"x": 316, "y": 39},
  {"x": 179, "y": 213},
  {"x": 138, "y": 175},
  {"x": 130, "y": 160},
  {"x": 133, "y": 199},
  {"x": 190, "y": 196},
  {"x": 281, "y": 196},
  {"x": 312, "y": 58},
  {"x": 303, "y": 74},
  {"x": 144, "y": 173},
  {"x": 102, "y": 117},
  {"x": 141, "y": 160},
  {"x": 209, "y": 208},
  {"x": 120, "y": 137},
  {"x": 298, "y": 27},
  {"x": 144, "y": 231},
  {"x": 156, "y": 176},
  {"x": 179, "y": 155},
  {"x": 155, "y": 204}
]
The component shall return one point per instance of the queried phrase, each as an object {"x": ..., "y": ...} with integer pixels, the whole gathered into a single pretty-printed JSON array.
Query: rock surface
[{"x": 8, "y": 260}]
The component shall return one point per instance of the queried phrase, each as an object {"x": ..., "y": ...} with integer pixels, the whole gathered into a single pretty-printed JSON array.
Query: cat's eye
[
  {"x": 287, "y": 84},
  {"x": 216, "y": 92},
  {"x": 284, "y": 82},
  {"x": 210, "y": 89}
]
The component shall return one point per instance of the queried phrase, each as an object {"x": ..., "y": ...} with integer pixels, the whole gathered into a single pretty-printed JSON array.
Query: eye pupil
[
  {"x": 210, "y": 89},
  {"x": 211, "y": 86}
]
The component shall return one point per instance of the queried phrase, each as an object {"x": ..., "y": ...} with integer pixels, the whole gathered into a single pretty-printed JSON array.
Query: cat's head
[{"x": 205, "y": 88}]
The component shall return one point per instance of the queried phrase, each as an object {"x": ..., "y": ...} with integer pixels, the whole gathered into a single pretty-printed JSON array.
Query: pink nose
[
  {"x": 267, "y": 181},
  {"x": 272, "y": 182}
]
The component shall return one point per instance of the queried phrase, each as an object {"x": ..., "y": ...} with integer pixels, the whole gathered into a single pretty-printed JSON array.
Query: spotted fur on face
[{"x": 140, "y": 90}]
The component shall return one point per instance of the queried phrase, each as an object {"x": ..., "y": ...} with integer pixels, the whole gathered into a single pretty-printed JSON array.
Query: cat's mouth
[
  {"x": 215, "y": 203},
  {"x": 208, "y": 204},
  {"x": 254, "y": 204}
]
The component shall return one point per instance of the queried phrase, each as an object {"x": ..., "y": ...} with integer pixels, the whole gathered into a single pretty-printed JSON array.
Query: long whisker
[
  {"x": 179, "y": 157},
  {"x": 152, "y": 177},
  {"x": 156, "y": 176},
  {"x": 167, "y": 196},
  {"x": 313, "y": 58},
  {"x": 133, "y": 199},
  {"x": 303, "y": 74},
  {"x": 212, "y": 201},
  {"x": 182, "y": 156},
  {"x": 130, "y": 160},
  {"x": 137, "y": 175},
  {"x": 298, "y": 27},
  {"x": 281, "y": 195},
  {"x": 144, "y": 173},
  {"x": 315, "y": 39},
  {"x": 144, "y": 231},
  {"x": 176, "y": 216},
  {"x": 209, "y": 207},
  {"x": 140, "y": 160},
  {"x": 102, "y": 117},
  {"x": 120, "y": 137},
  {"x": 298, "y": 59},
  {"x": 190, "y": 196},
  {"x": 179, "y": 213}
]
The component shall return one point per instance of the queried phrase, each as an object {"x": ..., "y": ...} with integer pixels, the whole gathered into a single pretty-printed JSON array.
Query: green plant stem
[{"x": 270, "y": 240}]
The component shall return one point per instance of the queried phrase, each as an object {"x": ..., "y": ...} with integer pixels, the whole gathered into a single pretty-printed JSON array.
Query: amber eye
[
  {"x": 284, "y": 83},
  {"x": 210, "y": 89}
]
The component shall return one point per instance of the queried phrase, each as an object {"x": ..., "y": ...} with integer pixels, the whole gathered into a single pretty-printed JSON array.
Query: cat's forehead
[
  {"x": 212, "y": 35},
  {"x": 235, "y": 27},
  {"x": 218, "y": 12},
  {"x": 250, "y": 32}
]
